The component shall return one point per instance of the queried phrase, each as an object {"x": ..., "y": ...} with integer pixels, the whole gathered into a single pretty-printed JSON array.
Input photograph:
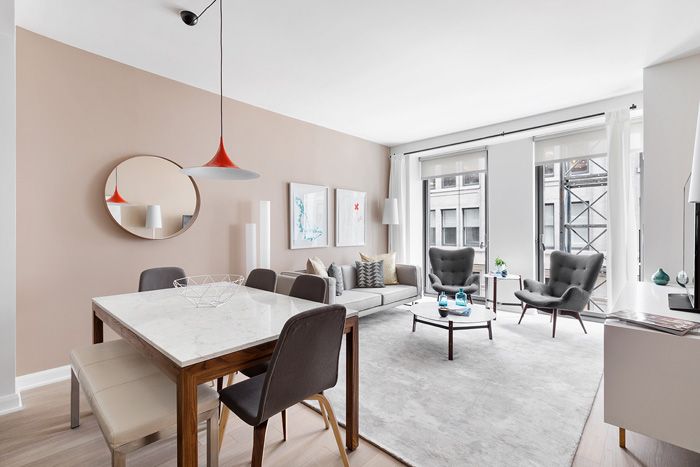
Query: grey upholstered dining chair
[
  {"x": 159, "y": 278},
  {"x": 307, "y": 287},
  {"x": 262, "y": 279},
  {"x": 303, "y": 365},
  {"x": 571, "y": 281},
  {"x": 452, "y": 270}
]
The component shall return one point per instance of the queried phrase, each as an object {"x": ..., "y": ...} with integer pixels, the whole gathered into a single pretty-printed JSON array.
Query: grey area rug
[{"x": 519, "y": 400}]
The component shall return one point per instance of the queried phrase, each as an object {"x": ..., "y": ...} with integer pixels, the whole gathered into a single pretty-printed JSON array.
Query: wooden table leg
[
  {"x": 352, "y": 385},
  {"x": 495, "y": 297},
  {"x": 623, "y": 443},
  {"x": 97, "y": 329},
  {"x": 186, "y": 419},
  {"x": 449, "y": 341}
]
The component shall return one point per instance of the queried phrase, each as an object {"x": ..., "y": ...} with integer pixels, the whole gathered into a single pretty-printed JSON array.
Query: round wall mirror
[{"x": 148, "y": 196}]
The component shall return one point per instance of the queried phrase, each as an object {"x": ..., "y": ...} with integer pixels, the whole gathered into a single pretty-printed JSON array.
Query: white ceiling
[{"x": 390, "y": 71}]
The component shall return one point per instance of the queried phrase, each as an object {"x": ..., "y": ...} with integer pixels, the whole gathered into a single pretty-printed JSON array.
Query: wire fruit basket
[{"x": 211, "y": 290}]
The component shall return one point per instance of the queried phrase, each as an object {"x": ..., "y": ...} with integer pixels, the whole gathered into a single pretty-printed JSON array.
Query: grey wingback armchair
[
  {"x": 452, "y": 270},
  {"x": 571, "y": 281}
]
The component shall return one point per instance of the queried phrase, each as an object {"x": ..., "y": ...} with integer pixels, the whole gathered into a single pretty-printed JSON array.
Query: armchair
[
  {"x": 571, "y": 282},
  {"x": 452, "y": 270}
]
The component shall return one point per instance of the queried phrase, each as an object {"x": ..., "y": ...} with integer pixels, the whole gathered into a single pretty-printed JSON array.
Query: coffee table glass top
[
  {"x": 509, "y": 277},
  {"x": 429, "y": 310}
]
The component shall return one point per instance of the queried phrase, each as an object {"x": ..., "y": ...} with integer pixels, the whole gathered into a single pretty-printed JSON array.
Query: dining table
[{"x": 196, "y": 345}]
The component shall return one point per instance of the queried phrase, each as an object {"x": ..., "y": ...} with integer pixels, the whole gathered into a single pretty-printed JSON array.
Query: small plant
[{"x": 500, "y": 262}]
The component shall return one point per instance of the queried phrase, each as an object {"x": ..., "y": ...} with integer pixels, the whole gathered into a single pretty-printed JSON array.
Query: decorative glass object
[
  {"x": 660, "y": 277},
  {"x": 461, "y": 298},
  {"x": 442, "y": 299},
  {"x": 209, "y": 291}
]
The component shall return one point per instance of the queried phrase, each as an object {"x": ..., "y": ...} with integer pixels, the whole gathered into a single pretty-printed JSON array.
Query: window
[
  {"x": 431, "y": 227},
  {"x": 431, "y": 184},
  {"x": 470, "y": 226},
  {"x": 549, "y": 170},
  {"x": 449, "y": 227},
  {"x": 579, "y": 215},
  {"x": 470, "y": 179},
  {"x": 549, "y": 226},
  {"x": 449, "y": 182},
  {"x": 579, "y": 167}
]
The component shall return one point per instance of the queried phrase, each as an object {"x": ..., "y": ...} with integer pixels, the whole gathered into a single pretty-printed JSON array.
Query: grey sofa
[
  {"x": 571, "y": 281},
  {"x": 451, "y": 270},
  {"x": 365, "y": 300}
]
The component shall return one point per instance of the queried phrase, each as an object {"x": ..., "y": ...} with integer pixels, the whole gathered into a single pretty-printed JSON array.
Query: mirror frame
[{"x": 179, "y": 232}]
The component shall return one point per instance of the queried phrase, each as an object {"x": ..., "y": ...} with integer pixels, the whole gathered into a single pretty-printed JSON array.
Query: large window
[
  {"x": 449, "y": 182},
  {"x": 449, "y": 227},
  {"x": 549, "y": 225},
  {"x": 470, "y": 179},
  {"x": 580, "y": 215},
  {"x": 431, "y": 228},
  {"x": 470, "y": 226}
]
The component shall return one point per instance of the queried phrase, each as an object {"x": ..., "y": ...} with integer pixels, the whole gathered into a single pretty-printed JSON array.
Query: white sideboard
[{"x": 652, "y": 378}]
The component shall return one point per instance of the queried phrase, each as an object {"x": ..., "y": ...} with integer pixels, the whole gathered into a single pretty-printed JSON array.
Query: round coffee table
[{"x": 427, "y": 313}]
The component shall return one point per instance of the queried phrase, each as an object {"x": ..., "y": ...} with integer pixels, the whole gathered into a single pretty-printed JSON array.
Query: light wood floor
[{"x": 39, "y": 436}]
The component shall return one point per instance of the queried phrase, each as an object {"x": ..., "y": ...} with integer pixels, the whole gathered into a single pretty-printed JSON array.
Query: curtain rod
[{"x": 512, "y": 132}]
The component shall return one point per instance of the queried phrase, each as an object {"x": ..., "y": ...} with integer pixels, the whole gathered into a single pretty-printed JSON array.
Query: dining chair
[
  {"x": 262, "y": 279},
  {"x": 303, "y": 365},
  {"x": 160, "y": 278},
  {"x": 309, "y": 287}
]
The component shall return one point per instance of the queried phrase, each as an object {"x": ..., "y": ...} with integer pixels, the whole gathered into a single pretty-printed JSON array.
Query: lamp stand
[{"x": 683, "y": 302}]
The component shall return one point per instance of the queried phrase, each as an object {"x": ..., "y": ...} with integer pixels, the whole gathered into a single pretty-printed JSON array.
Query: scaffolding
[{"x": 571, "y": 227}]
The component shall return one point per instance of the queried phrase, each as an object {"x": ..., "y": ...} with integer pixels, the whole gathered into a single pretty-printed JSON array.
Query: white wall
[
  {"x": 511, "y": 211},
  {"x": 671, "y": 95},
  {"x": 9, "y": 399}
]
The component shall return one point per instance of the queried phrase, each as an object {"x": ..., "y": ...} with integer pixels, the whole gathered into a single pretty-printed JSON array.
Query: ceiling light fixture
[
  {"x": 116, "y": 198},
  {"x": 220, "y": 166}
]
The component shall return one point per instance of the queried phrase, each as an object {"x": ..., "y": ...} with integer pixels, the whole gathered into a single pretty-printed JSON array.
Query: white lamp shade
[
  {"x": 391, "y": 211},
  {"x": 694, "y": 187},
  {"x": 154, "y": 219}
]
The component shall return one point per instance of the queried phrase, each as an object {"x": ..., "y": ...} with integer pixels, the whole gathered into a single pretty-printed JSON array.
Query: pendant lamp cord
[{"x": 221, "y": 66}]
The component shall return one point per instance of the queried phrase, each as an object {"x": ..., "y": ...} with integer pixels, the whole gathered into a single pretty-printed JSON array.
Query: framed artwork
[
  {"x": 350, "y": 217},
  {"x": 308, "y": 216}
]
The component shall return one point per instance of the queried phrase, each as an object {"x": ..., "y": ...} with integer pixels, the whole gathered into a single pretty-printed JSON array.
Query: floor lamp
[{"x": 686, "y": 302}]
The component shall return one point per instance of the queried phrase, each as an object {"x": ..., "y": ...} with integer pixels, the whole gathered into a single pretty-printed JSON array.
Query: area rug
[{"x": 519, "y": 400}]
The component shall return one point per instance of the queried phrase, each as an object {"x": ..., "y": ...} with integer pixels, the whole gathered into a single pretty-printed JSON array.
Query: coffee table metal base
[{"x": 450, "y": 329}]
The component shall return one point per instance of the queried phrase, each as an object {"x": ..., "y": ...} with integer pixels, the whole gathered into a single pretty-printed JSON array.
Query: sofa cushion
[
  {"x": 359, "y": 301},
  {"x": 334, "y": 271},
  {"x": 315, "y": 266},
  {"x": 389, "y": 265},
  {"x": 393, "y": 293},
  {"x": 370, "y": 274},
  {"x": 349, "y": 276}
]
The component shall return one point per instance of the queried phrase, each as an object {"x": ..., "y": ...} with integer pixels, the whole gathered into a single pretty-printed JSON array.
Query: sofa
[{"x": 365, "y": 300}]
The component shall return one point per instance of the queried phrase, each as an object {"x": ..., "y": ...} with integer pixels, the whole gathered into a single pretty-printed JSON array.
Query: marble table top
[{"x": 188, "y": 335}]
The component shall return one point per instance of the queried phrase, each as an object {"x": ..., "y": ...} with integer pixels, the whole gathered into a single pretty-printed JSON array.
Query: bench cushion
[
  {"x": 359, "y": 300},
  {"x": 393, "y": 293},
  {"x": 130, "y": 397}
]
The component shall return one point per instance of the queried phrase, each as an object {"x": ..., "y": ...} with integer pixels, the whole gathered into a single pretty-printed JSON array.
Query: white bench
[{"x": 133, "y": 401}]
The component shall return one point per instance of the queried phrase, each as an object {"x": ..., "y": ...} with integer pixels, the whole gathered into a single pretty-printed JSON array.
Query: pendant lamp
[
  {"x": 220, "y": 166},
  {"x": 116, "y": 198}
]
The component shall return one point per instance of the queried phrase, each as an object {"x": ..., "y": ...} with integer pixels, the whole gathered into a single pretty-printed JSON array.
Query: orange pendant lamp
[
  {"x": 116, "y": 198},
  {"x": 220, "y": 166}
]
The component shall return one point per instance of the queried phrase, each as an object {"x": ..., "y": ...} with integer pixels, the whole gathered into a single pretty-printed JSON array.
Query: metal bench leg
[{"x": 74, "y": 400}]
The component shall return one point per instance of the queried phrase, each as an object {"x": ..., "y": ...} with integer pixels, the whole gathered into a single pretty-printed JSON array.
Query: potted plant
[{"x": 501, "y": 267}]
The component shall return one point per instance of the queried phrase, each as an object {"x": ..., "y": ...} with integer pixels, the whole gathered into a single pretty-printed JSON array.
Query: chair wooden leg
[
  {"x": 118, "y": 459},
  {"x": 224, "y": 414},
  {"x": 578, "y": 315},
  {"x": 336, "y": 431},
  {"x": 324, "y": 414},
  {"x": 74, "y": 400},
  {"x": 213, "y": 440},
  {"x": 258, "y": 444},
  {"x": 284, "y": 424},
  {"x": 522, "y": 314},
  {"x": 470, "y": 299},
  {"x": 554, "y": 322}
]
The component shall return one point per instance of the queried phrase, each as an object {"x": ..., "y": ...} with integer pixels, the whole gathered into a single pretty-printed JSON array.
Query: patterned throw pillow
[
  {"x": 390, "y": 275},
  {"x": 335, "y": 271},
  {"x": 370, "y": 273}
]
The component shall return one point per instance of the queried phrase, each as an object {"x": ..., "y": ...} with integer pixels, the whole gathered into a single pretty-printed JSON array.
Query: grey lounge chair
[
  {"x": 571, "y": 281},
  {"x": 452, "y": 270}
]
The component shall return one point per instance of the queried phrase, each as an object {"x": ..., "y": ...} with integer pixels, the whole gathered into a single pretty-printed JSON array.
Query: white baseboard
[
  {"x": 42, "y": 378},
  {"x": 10, "y": 403}
]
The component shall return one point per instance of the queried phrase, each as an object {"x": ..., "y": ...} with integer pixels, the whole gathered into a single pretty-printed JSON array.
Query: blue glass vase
[
  {"x": 442, "y": 299},
  {"x": 461, "y": 298}
]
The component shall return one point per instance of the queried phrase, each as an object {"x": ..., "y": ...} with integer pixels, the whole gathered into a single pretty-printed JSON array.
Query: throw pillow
[
  {"x": 315, "y": 266},
  {"x": 370, "y": 273},
  {"x": 335, "y": 271},
  {"x": 390, "y": 276}
]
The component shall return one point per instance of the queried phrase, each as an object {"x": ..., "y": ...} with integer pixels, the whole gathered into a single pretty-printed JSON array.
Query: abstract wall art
[
  {"x": 308, "y": 216},
  {"x": 350, "y": 217}
]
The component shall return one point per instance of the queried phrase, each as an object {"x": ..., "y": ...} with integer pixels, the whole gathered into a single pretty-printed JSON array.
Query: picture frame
[
  {"x": 350, "y": 217},
  {"x": 308, "y": 216}
]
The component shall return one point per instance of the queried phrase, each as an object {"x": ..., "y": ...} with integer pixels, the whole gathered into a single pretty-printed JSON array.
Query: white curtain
[
  {"x": 397, "y": 189},
  {"x": 622, "y": 218}
]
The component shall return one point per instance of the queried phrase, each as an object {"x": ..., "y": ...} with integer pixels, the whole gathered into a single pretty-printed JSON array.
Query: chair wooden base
[{"x": 553, "y": 318}]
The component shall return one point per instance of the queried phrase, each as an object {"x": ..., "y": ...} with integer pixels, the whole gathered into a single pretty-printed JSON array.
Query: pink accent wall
[{"x": 79, "y": 114}]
